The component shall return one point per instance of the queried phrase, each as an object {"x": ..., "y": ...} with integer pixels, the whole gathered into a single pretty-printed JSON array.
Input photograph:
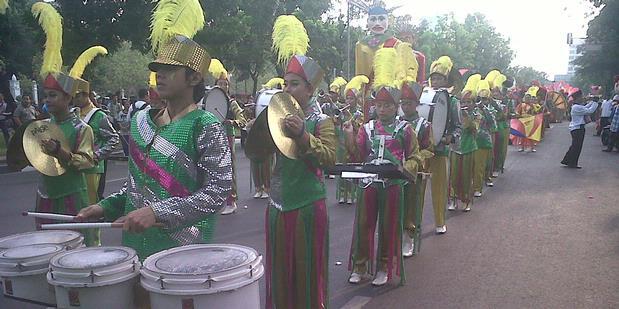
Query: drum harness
[{"x": 370, "y": 130}]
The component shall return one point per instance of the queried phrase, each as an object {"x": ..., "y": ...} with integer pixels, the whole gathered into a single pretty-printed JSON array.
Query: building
[{"x": 574, "y": 54}]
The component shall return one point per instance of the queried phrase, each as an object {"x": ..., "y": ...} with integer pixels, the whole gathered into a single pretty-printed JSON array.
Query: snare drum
[
  {"x": 217, "y": 102},
  {"x": 68, "y": 239},
  {"x": 23, "y": 270},
  {"x": 98, "y": 278},
  {"x": 203, "y": 276},
  {"x": 434, "y": 107}
]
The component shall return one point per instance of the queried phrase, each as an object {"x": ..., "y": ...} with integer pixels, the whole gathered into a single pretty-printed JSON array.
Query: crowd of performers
[{"x": 182, "y": 164}]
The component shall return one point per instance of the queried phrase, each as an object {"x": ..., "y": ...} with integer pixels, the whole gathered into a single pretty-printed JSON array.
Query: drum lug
[
  {"x": 161, "y": 282},
  {"x": 251, "y": 271},
  {"x": 92, "y": 276},
  {"x": 19, "y": 266},
  {"x": 51, "y": 273},
  {"x": 133, "y": 266},
  {"x": 209, "y": 281}
]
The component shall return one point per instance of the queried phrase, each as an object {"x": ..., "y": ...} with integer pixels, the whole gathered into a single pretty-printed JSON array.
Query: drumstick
[
  {"x": 86, "y": 225},
  {"x": 51, "y": 216}
]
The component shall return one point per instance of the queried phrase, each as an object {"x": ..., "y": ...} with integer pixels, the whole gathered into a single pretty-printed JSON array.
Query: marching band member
[
  {"x": 234, "y": 120},
  {"x": 461, "y": 161},
  {"x": 386, "y": 140},
  {"x": 353, "y": 94},
  {"x": 482, "y": 157},
  {"x": 441, "y": 77},
  {"x": 335, "y": 109},
  {"x": 66, "y": 193},
  {"x": 505, "y": 110},
  {"x": 180, "y": 169},
  {"x": 414, "y": 193},
  {"x": 261, "y": 167},
  {"x": 297, "y": 240},
  {"x": 106, "y": 139}
]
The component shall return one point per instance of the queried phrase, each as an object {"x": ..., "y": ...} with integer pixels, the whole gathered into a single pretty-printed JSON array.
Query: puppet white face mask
[{"x": 378, "y": 24}]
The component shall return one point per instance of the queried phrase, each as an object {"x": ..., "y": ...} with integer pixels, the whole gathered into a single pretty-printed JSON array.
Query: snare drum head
[
  {"x": 263, "y": 100},
  {"x": 217, "y": 102},
  {"x": 87, "y": 258},
  {"x": 59, "y": 237},
  {"x": 201, "y": 259},
  {"x": 26, "y": 252}
]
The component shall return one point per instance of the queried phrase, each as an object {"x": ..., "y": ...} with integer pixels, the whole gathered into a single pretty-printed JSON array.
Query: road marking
[{"x": 356, "y": 302}]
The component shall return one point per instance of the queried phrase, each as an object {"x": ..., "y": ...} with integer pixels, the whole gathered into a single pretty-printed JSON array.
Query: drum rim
[
  {"x": 150, "y": 264},
  {"x": 54, "y": 261},
  {"x": 15, "y": 236},
  {"x": 39, "y": 264}
]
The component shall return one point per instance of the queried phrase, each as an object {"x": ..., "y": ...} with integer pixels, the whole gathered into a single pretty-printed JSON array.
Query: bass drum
[
  {"x": 434, "y": 107},
  {"x": 217, "y": 102},
  {"x": 263, "y": 100},
  {"x": 259, "y": 144}
]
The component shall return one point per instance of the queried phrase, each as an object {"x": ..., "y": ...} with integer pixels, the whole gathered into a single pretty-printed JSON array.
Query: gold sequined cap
[{"x": 183, "y": 51}]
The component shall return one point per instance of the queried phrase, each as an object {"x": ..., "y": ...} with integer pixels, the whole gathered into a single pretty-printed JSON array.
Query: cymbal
[
  {"x": 36, "y": 132},
  {"x": 259, "y": 143},
  {"x": 283, "y": 105},
  {"x": 15, "y": 156}
]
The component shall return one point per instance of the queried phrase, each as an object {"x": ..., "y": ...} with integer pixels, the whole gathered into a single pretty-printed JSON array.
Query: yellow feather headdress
[
  {"x": 289, "y": 38},
  {"x": 483, "y": 89},
  {"x": 470, "y": 89},
  {"x": 175, "y": 17},
  {"x": 407, "y": 63},
  {"x": 357, "y": 83},
  {"x": 532, "y": 91},
  {"x": 499, "y": 80},
  {"x": 491, "y": 76},
  {"x": 442, "y": 65},
  {"x": 4, "y": 5},
  {"x": 84, "y": 59},
  {"x": 385, "y": 61},
  {"x": 217, "y": 69},
  {"x": 273, "y": 83},
  {"x": 51, "y": 22},
  {"x": 337, "y": 84}
]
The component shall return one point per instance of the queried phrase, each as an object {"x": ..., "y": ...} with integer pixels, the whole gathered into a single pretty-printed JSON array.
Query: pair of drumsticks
[{"x": 69, "y": 218}]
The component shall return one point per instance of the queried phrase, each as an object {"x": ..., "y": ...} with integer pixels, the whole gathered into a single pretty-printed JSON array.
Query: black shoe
[
  {"x": 575, "y": 166},
  {"x": 564, "y": 163},
  {"x": 607, "y": 150}
]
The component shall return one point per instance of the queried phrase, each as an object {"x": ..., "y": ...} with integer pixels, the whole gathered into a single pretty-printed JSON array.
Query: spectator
[
  {"x": 607, "y": 107},
  {"x": 24, "y": 112},
  {"x": 142, "y": 103},
  {"x": 124, "y": 126},
  {"x": 614, "y": 126},
  {"x": 4, "y": 119},
  {"x": 577, "y": 128}
]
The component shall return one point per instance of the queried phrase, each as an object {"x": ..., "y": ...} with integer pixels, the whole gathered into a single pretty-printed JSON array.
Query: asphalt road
[{"x": 543, "y": 237}]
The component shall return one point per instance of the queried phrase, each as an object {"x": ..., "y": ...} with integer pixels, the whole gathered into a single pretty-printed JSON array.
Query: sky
[{"x": 537, "y": 29}]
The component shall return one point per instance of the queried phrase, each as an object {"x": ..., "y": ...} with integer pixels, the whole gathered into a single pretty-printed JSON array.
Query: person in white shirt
[
  {"x": 140, "y": 104},
  {"x": 577, "y": 128},
  {"x": 607, "y": 108}
]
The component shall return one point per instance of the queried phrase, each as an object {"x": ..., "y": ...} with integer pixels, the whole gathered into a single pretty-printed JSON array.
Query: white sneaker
[
  {"x": 380, "y": 279},
  {"x": 533, "y": 150},
  {"x": 229, "y": 209},
  {"x": 407, "y": 246},
  {"x": 331, "y": 176},
  {"x": 451, "y": 206},
  {"x": 441, "y": 229},
  {"x": 349, "y": 201},
  {"x": 490, "y": 184},
  {"x": 467, "y": 208},
  {"x": 341, "y": 201},
  {"x": 354, "y": 278},
  {"x": 477, "y": 194},
  {"x": 495, "y": 174},
  {"x": 258, "y": 194},
  {"x": 264, "y": 195},
  {"x": 521, "y": 150}
]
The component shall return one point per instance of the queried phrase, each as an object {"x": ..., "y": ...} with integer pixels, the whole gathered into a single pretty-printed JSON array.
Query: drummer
[
  {"x": 386, "y": 140},
  {"x": 483, "y": 156},
  {"x": 414, "y": 193},
  {"x": 234, "y": 120},
  {"x": 441, "y": 78},
  {"x": 297, "y": 240},
  {"x": 183, "y": 198}
]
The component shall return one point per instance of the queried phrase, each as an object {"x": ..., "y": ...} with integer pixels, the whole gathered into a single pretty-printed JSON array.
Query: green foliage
[
  {"x": 524, "y": 75},
  {"x": 125, "y": 68},
  {"x": 17, "y": 42},
  {"x": 599, "y": 65}
]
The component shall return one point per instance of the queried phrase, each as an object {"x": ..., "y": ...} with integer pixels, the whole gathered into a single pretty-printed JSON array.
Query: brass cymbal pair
[
  {"x": 269, "y": 132},
  {"x": 30, "y": 137}
]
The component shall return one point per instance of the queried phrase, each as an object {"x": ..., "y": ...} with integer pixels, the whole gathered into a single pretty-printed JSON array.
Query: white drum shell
[
  {"x": 69, "y": 239},
  {"x": 23, "y": 272},
  {"x": 434, "y": 107},
  {"x": 230, "y": 288},
  {"x": 263, "y": 100},
  {"x": 216, "y": 101},
  {"x": 99, "y": 286}
]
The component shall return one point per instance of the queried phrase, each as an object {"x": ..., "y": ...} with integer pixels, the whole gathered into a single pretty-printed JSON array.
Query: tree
[
  {"x": 524, "y": 75},
  {"x": 125, "y": 68}
]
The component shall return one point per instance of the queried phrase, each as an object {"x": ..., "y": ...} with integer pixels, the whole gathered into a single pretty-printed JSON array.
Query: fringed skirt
[
  {"x": 297, "y": 255},
  {"x": 261, "y": 172},
  {"x": 67, "y": 205},
  {"x": 500, "y": 149},
  {"x": 461, "y": 177}
]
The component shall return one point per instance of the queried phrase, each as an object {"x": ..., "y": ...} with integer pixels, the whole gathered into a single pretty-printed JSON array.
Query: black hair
[
  {"x": 142, "y": 93},
  {"x": 198, "y": 90}
]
